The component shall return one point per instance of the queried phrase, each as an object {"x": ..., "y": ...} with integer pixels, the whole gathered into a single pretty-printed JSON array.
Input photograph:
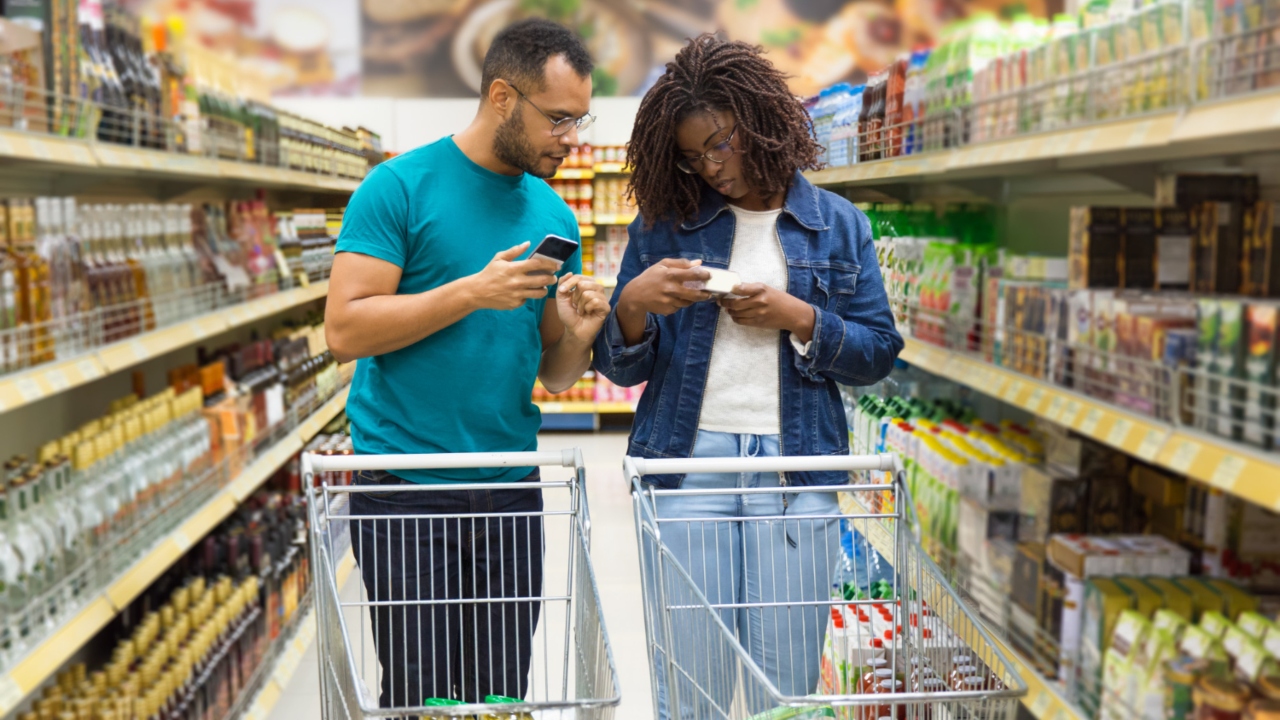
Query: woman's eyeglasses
[
  {"x": 563, "y": 125},
  {"x": 722, "y": 151}
]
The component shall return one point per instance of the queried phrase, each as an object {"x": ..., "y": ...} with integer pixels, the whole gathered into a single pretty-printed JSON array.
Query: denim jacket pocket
[{"x": 836, "y": 286}]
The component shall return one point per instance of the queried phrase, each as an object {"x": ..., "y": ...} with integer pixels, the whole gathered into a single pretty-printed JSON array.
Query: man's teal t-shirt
[{"x": 468, "y": 388}]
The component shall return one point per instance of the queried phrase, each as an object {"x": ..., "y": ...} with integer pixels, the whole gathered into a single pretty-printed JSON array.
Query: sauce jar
[
  {"x": 1268, "y": 687},
  {"x": 869, "y": 679},
  {"x": 1263, "y": 710},
  {"x": 959, "y": 673},
  {"x": 889, "y": 686},
  {"x": 920, "y": 676},
  {"x": 1219, "y": 699}
]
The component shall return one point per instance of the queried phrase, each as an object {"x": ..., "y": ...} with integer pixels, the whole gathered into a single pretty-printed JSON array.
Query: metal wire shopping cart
[
  {"x": 892, "y": 623},
  {"x": 571, "y": 669}
]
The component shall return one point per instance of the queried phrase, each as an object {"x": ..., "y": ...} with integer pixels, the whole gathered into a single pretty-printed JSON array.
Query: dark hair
[
  {"x": 519, "y": 54},
  {"x": 714, "y": 74}
]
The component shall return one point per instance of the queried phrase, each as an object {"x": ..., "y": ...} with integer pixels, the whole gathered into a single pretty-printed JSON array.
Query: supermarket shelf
[
  {"x": 570, "y": 408},
  {"x": 1228, "y": 466},
  {"x": 58, "y": 377},
  {"x": 613, "y": 168},
  {"x": 587, "y": 231},
  {"x": 574, "y": 174},
  {"x": 287, "y": 663},
  {"x": 68, "y": 156},
  {"x": 610, "y": 219},
  {"x": 42, "y": 662},
  {"x": 1237, "y": 125}
]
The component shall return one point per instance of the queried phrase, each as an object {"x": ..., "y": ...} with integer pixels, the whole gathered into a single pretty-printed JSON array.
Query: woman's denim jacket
[{"x": 831, "y": 263}]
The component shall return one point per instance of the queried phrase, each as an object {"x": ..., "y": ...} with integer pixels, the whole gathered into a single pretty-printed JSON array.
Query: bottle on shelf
[
  {"x": 34, "y": 342},
  {"x": 10, "y": 312}
]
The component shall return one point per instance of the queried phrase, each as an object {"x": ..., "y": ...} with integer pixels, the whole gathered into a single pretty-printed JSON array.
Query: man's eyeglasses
[
  {"x": 722, "y": 151},
  {"x": 563, "y": 125}
]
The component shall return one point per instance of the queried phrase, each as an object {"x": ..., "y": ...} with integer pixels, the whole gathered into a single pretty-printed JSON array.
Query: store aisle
[{"x": 618, "y": 575}]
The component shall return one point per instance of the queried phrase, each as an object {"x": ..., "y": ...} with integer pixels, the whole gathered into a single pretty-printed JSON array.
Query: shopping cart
[
  {"x": 572, "y": 671},
  {"x": 884, "y": 606}
]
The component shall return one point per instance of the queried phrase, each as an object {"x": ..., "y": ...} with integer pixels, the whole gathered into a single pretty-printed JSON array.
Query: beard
[{"x": 512, "y": 147}]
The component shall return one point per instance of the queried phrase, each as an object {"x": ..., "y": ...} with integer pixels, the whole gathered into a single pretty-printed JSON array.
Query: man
[{"x": 451, "y": 328}]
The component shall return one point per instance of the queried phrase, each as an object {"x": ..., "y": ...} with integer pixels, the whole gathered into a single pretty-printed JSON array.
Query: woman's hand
[
  {"x": 659, "y": 290},
  {"x": 761, "y": 306}
]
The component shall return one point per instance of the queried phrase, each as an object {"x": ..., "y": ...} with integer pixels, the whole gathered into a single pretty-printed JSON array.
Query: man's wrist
[{"x": 468, "y": 289}]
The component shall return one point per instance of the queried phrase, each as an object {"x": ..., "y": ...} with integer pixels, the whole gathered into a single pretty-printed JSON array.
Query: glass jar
[
  {"x": 1263, "y": 710},
  {"x": 887, "y": 686},
  {"x": 869, "y": 679},
  {"x": 1268, "y": 687},
  {"x": 1219, "y": 699}
]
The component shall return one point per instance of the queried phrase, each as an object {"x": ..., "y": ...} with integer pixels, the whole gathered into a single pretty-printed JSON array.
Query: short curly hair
[
  {"x": 710, "y": 73},
  {"x": 519, "y": 54}
]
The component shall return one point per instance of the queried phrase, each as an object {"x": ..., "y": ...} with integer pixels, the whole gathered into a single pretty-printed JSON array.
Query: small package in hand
[{"x": 721, "y": 282}]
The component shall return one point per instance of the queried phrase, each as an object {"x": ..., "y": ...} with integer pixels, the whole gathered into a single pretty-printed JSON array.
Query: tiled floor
[{"x": 617, "y": 573}]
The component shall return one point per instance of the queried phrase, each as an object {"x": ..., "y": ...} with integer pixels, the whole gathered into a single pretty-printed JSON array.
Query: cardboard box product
[
  {"x": 1094, "y": 247},
  {"x": 1204, "y": 597},
  {"x": 1138, "y": 250},
  {"x": 1109, "y": 511},
  {"x": 1052, "y": 501},
  {"x": 1228, "y": 362},
  {"x": 1262, "y": 321},
  {"x": 1262, "y": 251},
  {"x": 1174, "y": 598},
  {"x": 979, "y": 523},
  {"x": 1104, "y": 601},
  {"x": 1215, "y": 256},
  {"x": 1187, "y": 189},
  {"x": 1158, "y": 486},
  {"x": 1026, "y": 585},
  {"x": 1173, "y": 249}
]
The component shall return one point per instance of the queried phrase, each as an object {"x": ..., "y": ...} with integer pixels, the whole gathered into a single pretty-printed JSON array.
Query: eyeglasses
[
  {"x": 718, "y": 154},
  {"x": 563, "y": 125}
]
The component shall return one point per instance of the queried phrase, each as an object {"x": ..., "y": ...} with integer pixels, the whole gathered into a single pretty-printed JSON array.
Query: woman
[{"x": 718, "y": 148}]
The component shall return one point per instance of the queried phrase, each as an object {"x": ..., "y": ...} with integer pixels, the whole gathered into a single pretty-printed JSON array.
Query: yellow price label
[
  {"x": 1042, "y": 703},
  {"x": 88, "y": 370},
  {"x": 1120, "y": 432},
  {"x": 29, "y": 389},
  {"x": 1070, "y": 414},
  {"x": 1054, "y": 412},
  {"x": 1012, "y": 392},
  {"x": 1091, "y": 421},
  {"x": 1184, "y": 455},
  {"x": 1228, "y": 471},
  {"x": 1036, "y": 400},
  {"x": 1151, "y": 444},
  {"x": 57, "y": 380}
]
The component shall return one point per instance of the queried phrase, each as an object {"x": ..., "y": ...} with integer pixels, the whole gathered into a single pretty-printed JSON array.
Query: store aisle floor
[{"x": 617, "y": 572}]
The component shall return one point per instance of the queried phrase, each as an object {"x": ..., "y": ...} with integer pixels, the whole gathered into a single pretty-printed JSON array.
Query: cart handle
[
  {"x": 636, "y": 467},
  {"x": 569, "y": 457}
]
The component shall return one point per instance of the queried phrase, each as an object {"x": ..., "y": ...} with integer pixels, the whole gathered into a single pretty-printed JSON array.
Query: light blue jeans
[{"x": 763, "y": 566}]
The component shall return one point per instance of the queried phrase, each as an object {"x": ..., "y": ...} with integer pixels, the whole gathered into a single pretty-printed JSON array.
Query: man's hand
[
  {"x": 582, "y": 306},
  {"x": 505, "y": 284},
  {"x": 761, "y": 306},
  {"x": 660, "y": 289}
]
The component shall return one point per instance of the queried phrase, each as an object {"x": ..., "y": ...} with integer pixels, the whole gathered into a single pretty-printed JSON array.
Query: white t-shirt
[{"x": 742, "y": 393}]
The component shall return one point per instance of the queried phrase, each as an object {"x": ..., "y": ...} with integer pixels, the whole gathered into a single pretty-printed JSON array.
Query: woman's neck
[{"x": 754, "y": 202}]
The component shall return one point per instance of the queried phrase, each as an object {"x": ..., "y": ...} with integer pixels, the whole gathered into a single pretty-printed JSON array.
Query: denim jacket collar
[{"x": 801, "y": 204}]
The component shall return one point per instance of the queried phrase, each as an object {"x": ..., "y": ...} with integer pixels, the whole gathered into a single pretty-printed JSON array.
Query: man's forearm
[
  {"x": 563, "y": 363},
  {"x": 385, "y": 323}
]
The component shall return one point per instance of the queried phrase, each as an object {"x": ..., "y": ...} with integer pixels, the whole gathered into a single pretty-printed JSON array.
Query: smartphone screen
[{"x": 556, "y": 248}]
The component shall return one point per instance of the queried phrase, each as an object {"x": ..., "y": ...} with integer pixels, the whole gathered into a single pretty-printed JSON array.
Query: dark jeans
[{"x": 461, "y": 650}]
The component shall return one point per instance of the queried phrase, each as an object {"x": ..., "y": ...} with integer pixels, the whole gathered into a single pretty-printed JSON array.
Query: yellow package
[
  {"x": 1204, "y": 597},
  {"x": 1238, "y": 600},
  {"x": 1173, "y": 597}
]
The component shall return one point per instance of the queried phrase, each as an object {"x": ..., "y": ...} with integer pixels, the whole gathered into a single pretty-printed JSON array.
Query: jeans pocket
[{"x": 370, "y": 478}]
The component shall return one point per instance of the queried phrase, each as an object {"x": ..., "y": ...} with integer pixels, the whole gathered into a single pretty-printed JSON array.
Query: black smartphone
[{"x": 554, "y": 247}]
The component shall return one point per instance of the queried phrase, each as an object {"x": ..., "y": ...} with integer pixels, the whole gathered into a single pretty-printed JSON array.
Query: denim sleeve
[
  {"x": 627, "y": 365},
  {"x": 860, "y": 347}
]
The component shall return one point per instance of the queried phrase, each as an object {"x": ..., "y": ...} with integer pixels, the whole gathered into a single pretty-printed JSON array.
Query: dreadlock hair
[{"x": 708, "y": 74}]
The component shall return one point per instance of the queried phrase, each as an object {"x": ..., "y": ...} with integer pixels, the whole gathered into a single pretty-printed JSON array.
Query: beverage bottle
[
  {"x": 10, "y": 314},
  {"x": 39, "y": 519},
  {"x": 35, "y": 556},
  {"x": 130, "y": 247},
  {"x": 60, "y": 514},
  {"x": 13, "y": 593},
  {"x": 35, "y": 343}
]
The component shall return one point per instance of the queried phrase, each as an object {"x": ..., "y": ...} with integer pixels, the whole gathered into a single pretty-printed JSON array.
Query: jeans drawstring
[{"x": 750, "y": 446}]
